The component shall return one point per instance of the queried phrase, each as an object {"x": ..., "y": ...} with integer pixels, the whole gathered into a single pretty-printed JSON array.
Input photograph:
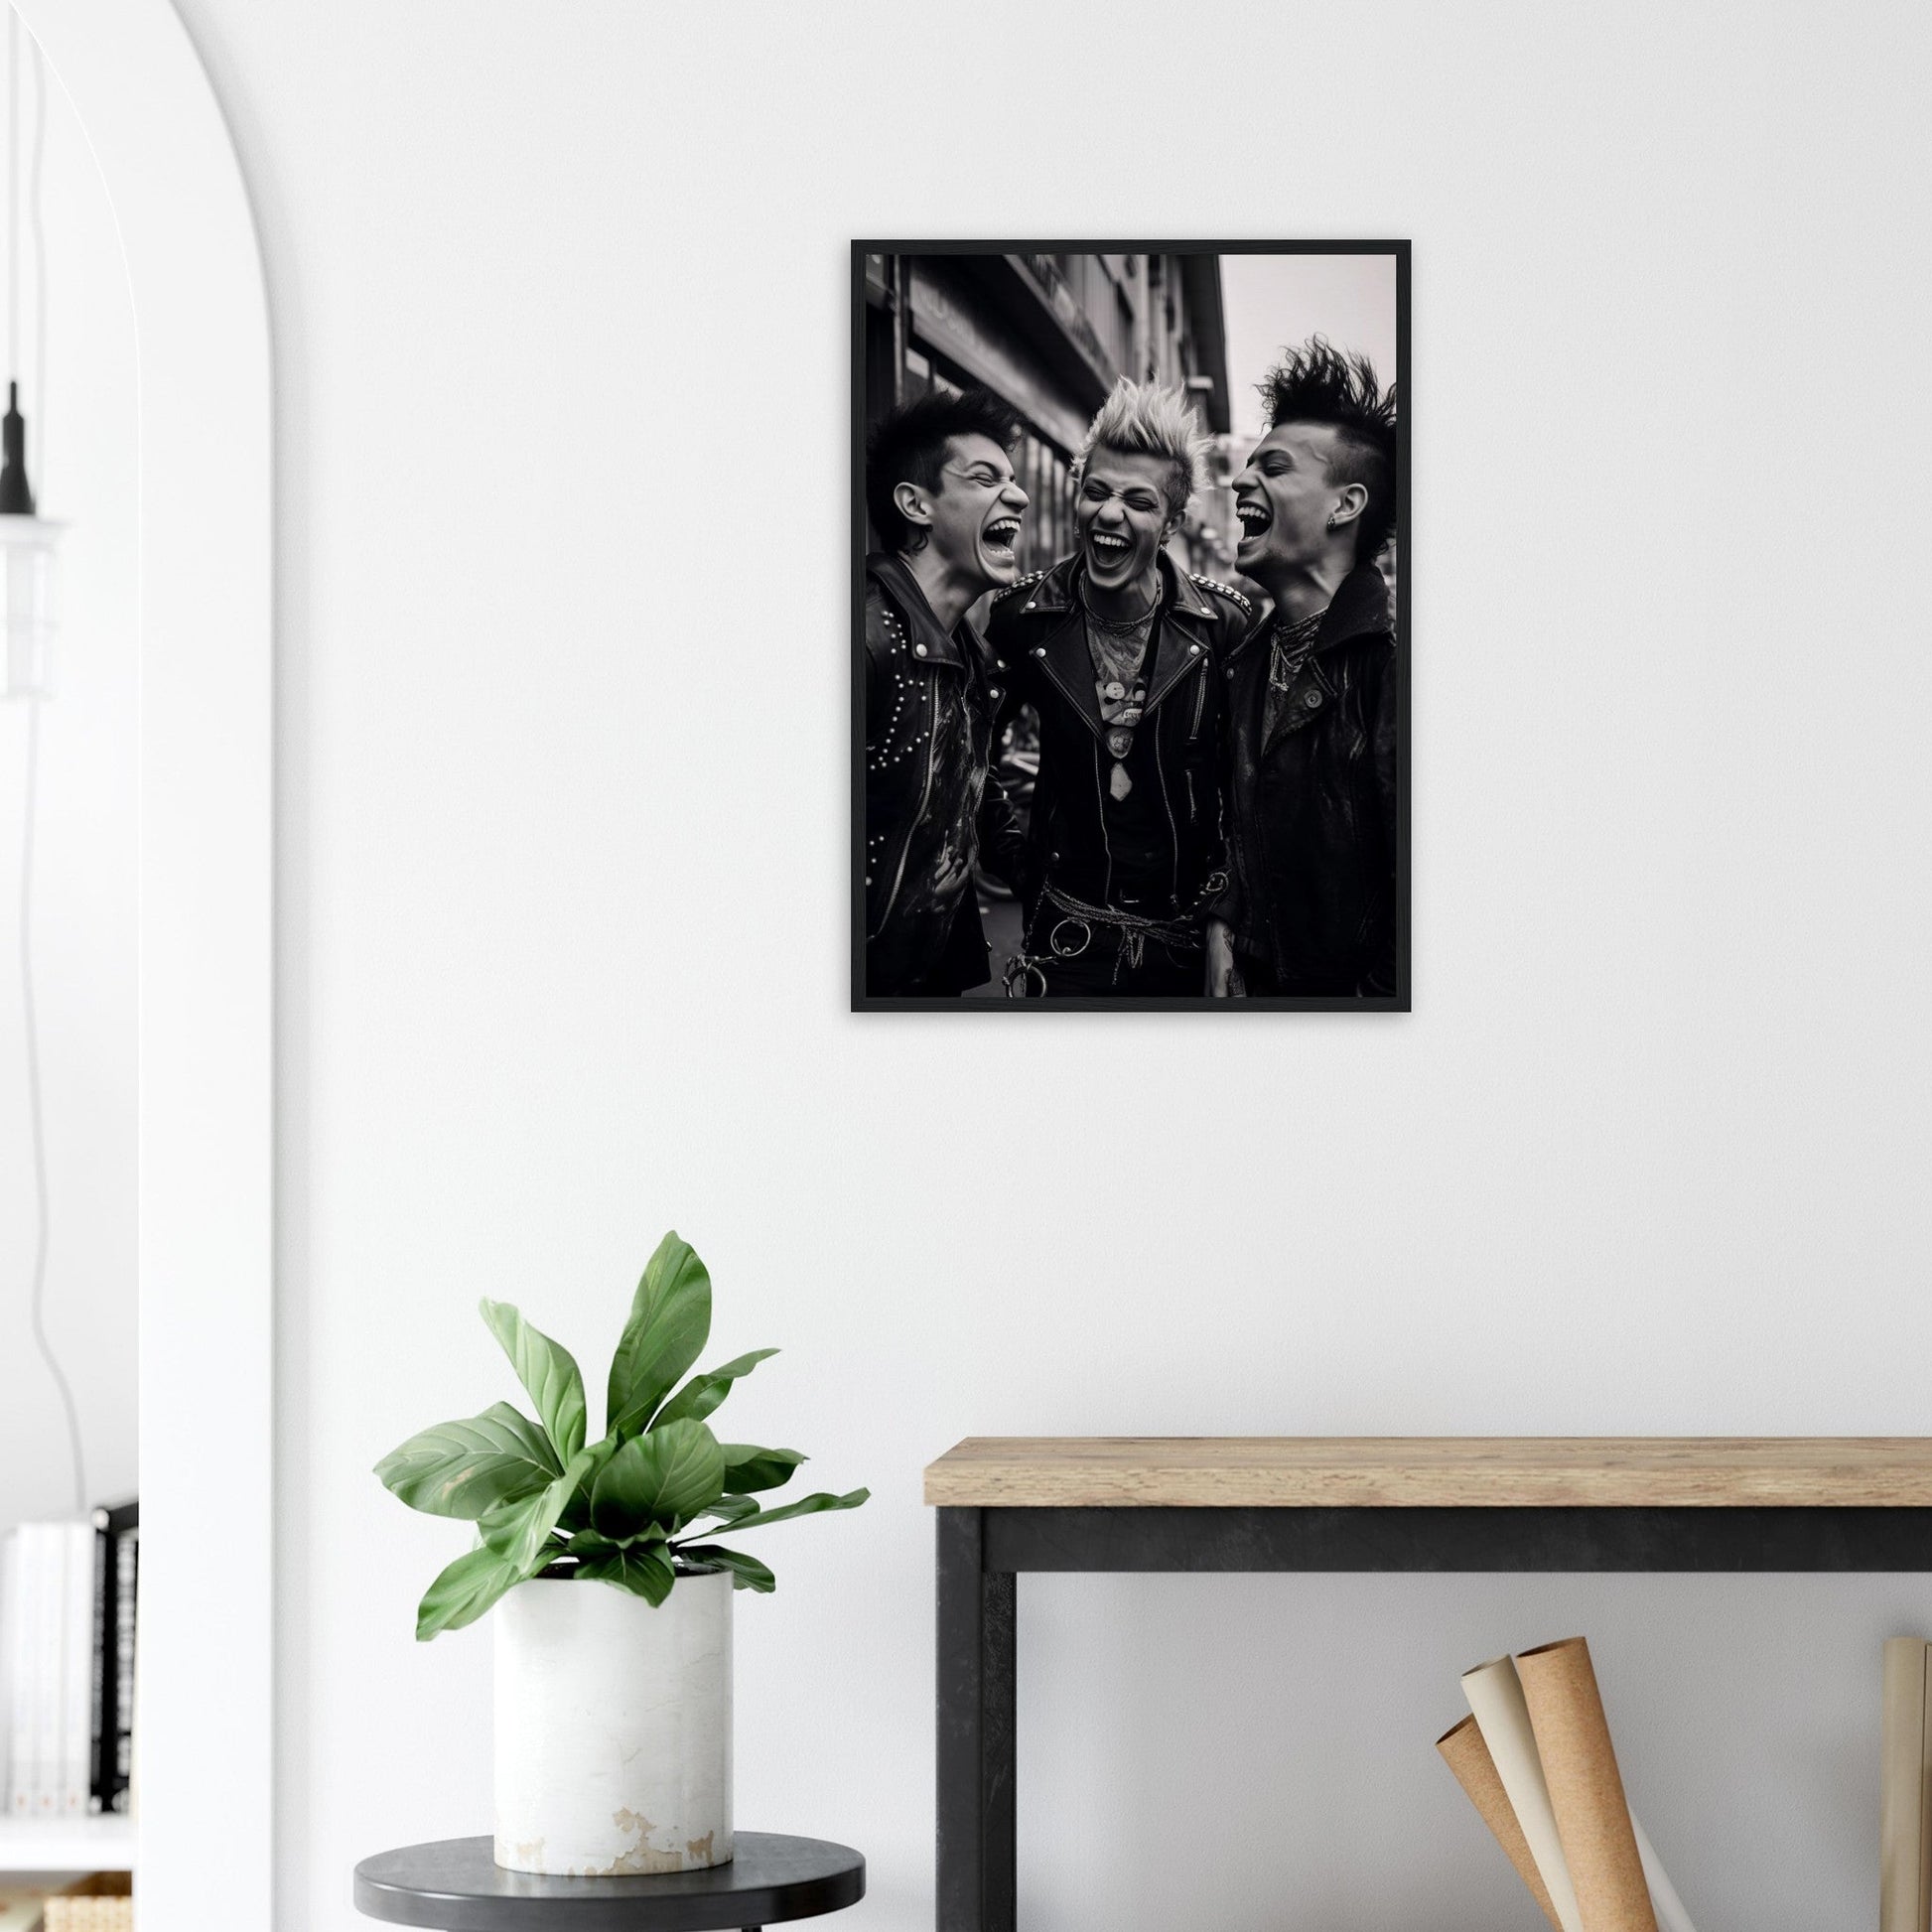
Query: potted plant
[{"x": 612, "y": 1706}]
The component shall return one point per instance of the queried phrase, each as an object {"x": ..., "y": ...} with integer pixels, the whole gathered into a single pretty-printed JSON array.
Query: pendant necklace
[{"x": 1118, "y": 650}]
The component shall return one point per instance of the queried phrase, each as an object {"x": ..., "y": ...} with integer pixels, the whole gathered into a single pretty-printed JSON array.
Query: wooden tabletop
[{"x": 1440, "y": 1472}]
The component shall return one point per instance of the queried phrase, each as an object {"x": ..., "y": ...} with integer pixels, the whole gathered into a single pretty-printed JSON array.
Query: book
[
  {"x": 111, "y": 1718},
  {"x": 1904, "y": 1831},
  {"x": 48, "y": 1583},
  {"x": 101, "y": 1632},
  {"x": 9, "y": 1615},
  {"x": 23, "y": 1600},
  {"x": 77, "y": 1667},
  {"x": 68, "y": 1618},
  {"x": 127, "y": 1578}
]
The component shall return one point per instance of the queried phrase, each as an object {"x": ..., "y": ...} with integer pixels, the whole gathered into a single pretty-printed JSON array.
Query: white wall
[
  {"x": 82, "y": 450},
  {"x": 560, "y": 303}
]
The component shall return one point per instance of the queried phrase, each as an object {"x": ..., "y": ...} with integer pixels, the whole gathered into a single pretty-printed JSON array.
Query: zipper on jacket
[
  {"x": 1200, "y": 705},
  {"x": 1173, "y": 831},
  {"x": 1100, "y": 815}
]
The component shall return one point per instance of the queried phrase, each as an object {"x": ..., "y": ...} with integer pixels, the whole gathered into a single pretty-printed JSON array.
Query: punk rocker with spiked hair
[
  {"x": 1120, "y": 653},
  {"x": 941, "y": 495},
  {"x": 1311, "y": 910}
]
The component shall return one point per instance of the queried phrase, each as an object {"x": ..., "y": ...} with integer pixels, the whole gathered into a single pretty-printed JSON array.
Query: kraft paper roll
[
  {"x": 1573, "y": 1738},
  {"x": 1468, "y": 1757},
  {"x": 1904, "y": 1895},
  {"x": 1496, "y": 1697}
]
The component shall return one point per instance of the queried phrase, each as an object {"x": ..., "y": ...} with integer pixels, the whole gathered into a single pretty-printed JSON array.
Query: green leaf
[
  {"x": 463, "y": 1591},
  {"x": 670, "y": 1318},
  {"x": 643, "y": 1570},
  {"x": 732, "y": 1509},
  {"x": 587, "y": 1543},
  {"x": 521, "y": 1531},
  {"x": 747, "y": 1466},
  {"x": 664, "y": 1477},
  {"x": 577, "y": 1511},
  {"x": 548, "y": 1370},
  {"x": 467, "y": 1469},
  {"x": 805, "y": 1506},
  {"x": 703, "y": 1393},
  {"x": 747, "y": 1572}
]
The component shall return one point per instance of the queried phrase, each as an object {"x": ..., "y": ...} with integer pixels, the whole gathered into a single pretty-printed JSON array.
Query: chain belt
[{"x": 1132, "y": 931}]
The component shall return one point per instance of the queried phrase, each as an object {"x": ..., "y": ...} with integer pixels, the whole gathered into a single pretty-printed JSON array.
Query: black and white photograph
[{"x": 1131, "y": 664}]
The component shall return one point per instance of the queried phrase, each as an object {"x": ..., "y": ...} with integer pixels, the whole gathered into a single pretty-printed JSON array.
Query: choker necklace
[{"x": 1120, "y": 626}]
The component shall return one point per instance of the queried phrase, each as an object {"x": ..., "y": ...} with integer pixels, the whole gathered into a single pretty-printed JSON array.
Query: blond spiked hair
[{"x": 1148, "y": 419}]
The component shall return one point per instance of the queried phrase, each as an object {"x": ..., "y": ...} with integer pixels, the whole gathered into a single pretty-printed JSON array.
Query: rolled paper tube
[
  {"x": 1902, "y": 1842},
  {"x": 1573, "y": 1738},
  {"x": 1496, "y": 1699},
  {"x": 1671, "y": 1915},
  {"x": 1468, "y": 1757}
]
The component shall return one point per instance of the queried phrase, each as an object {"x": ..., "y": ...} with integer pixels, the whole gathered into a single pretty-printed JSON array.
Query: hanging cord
[
  {"x": 38, "y": 467},
  {"x": 35, "y": 1119},
  {"x": 13, "y": 192},
  {"x": 36, "y": 1115}
]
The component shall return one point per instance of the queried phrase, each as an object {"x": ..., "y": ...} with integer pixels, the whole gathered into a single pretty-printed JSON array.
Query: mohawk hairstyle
[
  {"x": 909, "y": 446},
  {"x": 1318, "y": 384},
  {"x": 1143, "y": 419}
]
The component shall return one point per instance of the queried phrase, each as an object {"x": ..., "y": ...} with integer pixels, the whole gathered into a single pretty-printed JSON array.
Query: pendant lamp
[{"x": 27, "y": 579}]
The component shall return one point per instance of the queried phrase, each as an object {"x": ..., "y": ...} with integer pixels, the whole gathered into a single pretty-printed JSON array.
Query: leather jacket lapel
[
  {"x": 931, "y": 644},
  {"x": 1065, "y": 659}
]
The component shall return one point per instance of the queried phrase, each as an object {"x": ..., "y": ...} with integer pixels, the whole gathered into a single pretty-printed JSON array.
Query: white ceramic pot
[{"x": 614, "y": 1727}]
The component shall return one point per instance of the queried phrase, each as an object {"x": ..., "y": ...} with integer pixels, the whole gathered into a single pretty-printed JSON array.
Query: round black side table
[{"x": 457, "y": 1885}]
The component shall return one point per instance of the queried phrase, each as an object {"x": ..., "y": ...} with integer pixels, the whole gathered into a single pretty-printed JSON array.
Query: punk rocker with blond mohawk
[
  {"x": 1120, "y": 653},
  {"x": 1311, "y": 695}
]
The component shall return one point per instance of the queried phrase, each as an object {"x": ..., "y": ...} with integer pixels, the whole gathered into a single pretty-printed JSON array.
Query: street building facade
[{"x": 1050, "y": 334}]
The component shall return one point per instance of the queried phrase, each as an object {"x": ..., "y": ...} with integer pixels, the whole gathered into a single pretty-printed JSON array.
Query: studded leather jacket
[
  {"x": 1312, "y": 809},
  {"x": 1039, "y": 639},
  {"x": 932, "y": 810}
]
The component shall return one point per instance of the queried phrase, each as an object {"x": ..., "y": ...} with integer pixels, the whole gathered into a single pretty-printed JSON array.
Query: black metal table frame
[{"x": 982, "y": 1552}]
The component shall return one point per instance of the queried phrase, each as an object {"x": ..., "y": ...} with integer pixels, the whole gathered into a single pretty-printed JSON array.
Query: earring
[{"x": 1334, "y": 523}]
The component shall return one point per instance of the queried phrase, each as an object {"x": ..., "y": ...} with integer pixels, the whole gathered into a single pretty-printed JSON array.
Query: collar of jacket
[
  {"x": 930, "y": 643},
  {"x": 1059, "y": 591},
  {"x": 1055, "y": 602},
  {"x": 1359, "y": 608}
]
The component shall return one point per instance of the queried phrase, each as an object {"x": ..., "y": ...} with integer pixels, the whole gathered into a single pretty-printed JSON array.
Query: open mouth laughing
[
  {"x": 1000, "y": 536},
  {"x": 1107, "y": 549},
  {"x": 1256, "y": 519}
]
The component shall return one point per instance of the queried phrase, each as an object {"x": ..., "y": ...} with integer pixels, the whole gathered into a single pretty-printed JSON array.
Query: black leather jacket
[
  {"x": 931, "y": 811},
  {"x": 1038, "y": 640},
  {"x": 1314, "y": 810}
]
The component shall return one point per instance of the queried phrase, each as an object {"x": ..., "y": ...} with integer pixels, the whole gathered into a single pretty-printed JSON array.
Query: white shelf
[{"x": 104, "y": 1844}]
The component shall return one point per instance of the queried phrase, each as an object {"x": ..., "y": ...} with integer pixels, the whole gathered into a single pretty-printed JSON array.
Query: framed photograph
[{"x": 1130, "y": 673}]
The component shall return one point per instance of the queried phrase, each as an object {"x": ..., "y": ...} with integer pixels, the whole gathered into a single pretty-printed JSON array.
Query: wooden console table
[{"x": 1365, "y": 1503}]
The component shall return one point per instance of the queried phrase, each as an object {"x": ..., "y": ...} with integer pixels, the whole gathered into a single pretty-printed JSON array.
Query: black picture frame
[{"x": 1398, "y": 1002}]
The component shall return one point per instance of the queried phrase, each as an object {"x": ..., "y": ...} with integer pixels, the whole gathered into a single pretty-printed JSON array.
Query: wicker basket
[
  {"x": 102, "y": 1903},
  {"x": 88, "y": 1915}
]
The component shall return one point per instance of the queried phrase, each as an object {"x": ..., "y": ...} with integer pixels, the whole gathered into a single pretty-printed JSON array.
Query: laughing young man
[
  {"x": 1120, "y": 653},
  {"x": 1311, "y": 695},
  {"x": 942, "y": 498}
]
